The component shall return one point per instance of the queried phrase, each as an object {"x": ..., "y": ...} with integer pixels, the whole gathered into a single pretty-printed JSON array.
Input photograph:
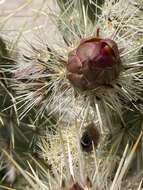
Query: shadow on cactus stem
[{"x": 93, "y": 8}]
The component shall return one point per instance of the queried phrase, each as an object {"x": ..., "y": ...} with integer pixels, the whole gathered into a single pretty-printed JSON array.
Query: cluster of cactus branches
[{"x": 71, "y": 112}]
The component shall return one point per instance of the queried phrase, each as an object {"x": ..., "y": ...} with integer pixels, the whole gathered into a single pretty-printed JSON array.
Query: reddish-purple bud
[
  {"x": 76, "y": 186},
  {"x": 93, "y": 63}
]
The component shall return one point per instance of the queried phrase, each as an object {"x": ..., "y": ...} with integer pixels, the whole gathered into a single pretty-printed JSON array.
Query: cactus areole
[{"x": 93, "y": 63}]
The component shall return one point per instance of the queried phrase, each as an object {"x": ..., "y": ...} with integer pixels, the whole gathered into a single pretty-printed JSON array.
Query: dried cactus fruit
[{"x": 89, "y": 138}]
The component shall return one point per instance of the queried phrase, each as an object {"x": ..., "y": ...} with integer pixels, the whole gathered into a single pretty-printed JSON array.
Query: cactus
[{"x": 71, "y": 114}]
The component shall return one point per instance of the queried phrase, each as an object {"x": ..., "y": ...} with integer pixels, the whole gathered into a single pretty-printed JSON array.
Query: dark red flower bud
[
  {"x": 93, "y": 63},
  {"x": 76, "y": 186}
]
